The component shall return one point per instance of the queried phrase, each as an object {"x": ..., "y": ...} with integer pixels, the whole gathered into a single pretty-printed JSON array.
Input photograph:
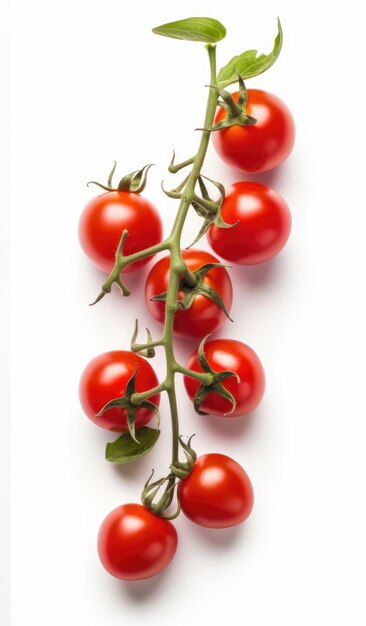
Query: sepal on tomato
[
  {"x": 235, "y": 111},
  {"x": 124, "y": 402},
  {"x": 178, "y": 471},
  {"x": 200, "y": 288},
  {"x": 151, "y": 490},
  {"x": 182, "y": 470},
  {"x": 216, "y": 386},
  {"x": 209, "y": 209},
  {"x": 134, "y": 182}
]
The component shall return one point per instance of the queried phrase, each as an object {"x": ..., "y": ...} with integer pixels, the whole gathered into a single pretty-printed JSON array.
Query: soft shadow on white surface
[
  {"x": 258, "y": 276},
  {"x": 220, "y": 538},
  {"x": 303, "y": 314},
  {"x": 135, "y": 469},
  {"x": 139, "y": 591},
  {"x": 229, "y": 427}
]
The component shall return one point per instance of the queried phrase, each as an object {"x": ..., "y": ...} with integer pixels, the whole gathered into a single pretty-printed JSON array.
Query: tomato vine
[{"x": 192, "y": 191}]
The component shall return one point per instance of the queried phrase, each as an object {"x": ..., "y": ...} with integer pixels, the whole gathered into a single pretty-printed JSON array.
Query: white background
[
  {"x": 4, "y": 313},
  {"x": 92, "y": 84}
]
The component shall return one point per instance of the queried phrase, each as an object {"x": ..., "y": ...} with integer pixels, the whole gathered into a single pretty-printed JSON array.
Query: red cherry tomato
[
  {"x": 229, "y": 354},
  {"x": 204, "y": 316},
  {"x": 264, "y": 224},
  {"x": 105, "y": 378},
  {"x": 105, "y": 218},
  {"x": 134, "y": 544},
  {"x": 264, "y": 145},
  {"x": 217, "y": 493}
]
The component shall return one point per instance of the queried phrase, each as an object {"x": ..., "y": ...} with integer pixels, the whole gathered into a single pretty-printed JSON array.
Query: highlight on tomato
[
  {"x": 262, "y": 221},
  {"x": 263, "y": 145},
  {"x": 105, "y": 378},
  {"x": 208, "y": 302},
  {"x": 103, "y": 221},
  {"x": 217, "y": 493},
  {"x": 134, "y": 544},
  {"x": 246, "y": 388}
]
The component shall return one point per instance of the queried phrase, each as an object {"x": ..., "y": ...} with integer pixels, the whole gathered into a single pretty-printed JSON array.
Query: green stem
[
  {"x": 177, "y": 264},
  {"x": 178, "y": 269},
  {"x": 205, "y": 378},
  {"x": 139, "y": 397},
  {"x": 123, "y": 261}
]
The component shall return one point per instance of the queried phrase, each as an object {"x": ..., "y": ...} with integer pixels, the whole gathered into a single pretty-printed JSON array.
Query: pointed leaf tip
[
  {"x": 126, "y": 449},
  {"x": 203, "y": 29},
  {"x": 248, "y": 64}
]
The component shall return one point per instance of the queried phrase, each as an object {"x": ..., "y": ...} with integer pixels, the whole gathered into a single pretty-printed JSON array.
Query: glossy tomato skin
[
  {"x": 104, "y": 219},
  {"x": 264, "y": 224},
  {"x": 204, "y": 316},
  {"x": 229, "y": 354},
  {"x": 263, "y": 145},
  {"x": 105, "y": 378},
  {"x": 134, "y": 544},
  {"x": 217, "y": 493}
]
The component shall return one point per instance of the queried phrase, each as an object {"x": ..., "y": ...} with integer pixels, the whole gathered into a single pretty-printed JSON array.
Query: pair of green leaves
[{"x": 210, "y": 31}]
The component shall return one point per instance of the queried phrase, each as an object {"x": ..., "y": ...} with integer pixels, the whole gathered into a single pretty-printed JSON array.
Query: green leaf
[
  {"x": 248, "y": 64},
  {"x": 193, "y": 29},
  {"x": 126, "y": 449}
]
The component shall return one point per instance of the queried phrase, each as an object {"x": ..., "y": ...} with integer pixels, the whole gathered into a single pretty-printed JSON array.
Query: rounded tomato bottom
[
  {"x": 134, "y": 544},
  {"x": 262, "y": 221}
]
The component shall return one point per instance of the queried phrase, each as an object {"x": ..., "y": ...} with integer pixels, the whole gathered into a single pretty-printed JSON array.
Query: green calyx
[
  {"x": 164, "y": 488},
  {"x": 216, "y": 387},
  {"x": 182, "y": 469},
  {"x": 209, "y": 209},
  {"x": 166, "y": 495},
  {"x": 135, "y": 182},
  {"x": 235, "y": 111},
  {"x": 125, "y": 402},
  {"x": 199, "y": 287}
]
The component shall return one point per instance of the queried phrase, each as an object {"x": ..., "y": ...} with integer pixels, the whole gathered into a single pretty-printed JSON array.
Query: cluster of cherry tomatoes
[{"x": 133, "y": 542}]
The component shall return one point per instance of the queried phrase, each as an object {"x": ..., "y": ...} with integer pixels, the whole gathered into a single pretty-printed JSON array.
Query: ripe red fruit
[
  {"x": 134, "y": 544},
  {"x": 204, "y": 315},
  {"x": 103, "y": 221},
  {"x": 229, "y": 354},
  {"x": 264, "y": 145},
  {"x": 217, "y": 493},
  {"x": 105, "y": 379},
  {"x": 262, "y": 224}
]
